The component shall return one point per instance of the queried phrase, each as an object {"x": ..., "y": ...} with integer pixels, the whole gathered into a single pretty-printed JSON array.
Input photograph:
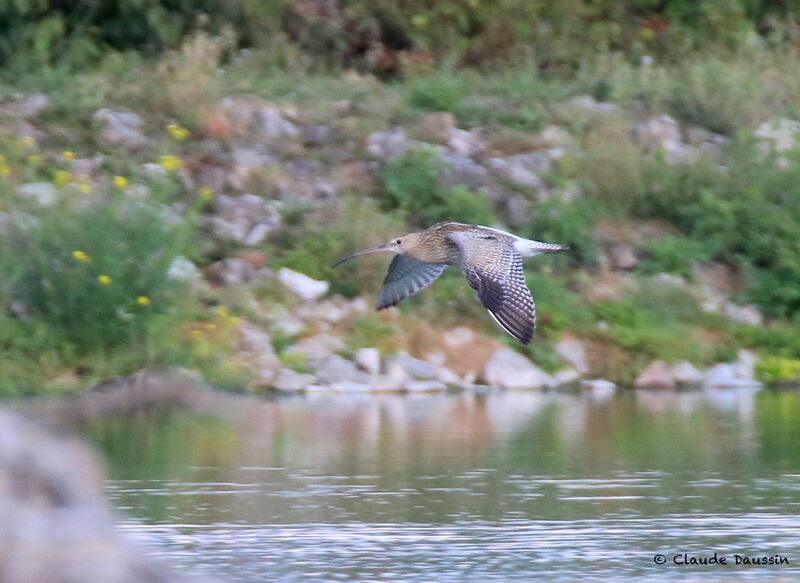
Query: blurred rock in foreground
[{"x": 55, "y": 524}]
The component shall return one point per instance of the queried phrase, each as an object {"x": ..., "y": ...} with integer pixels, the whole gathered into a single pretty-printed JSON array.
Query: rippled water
[{"x": 496, "y": 486}]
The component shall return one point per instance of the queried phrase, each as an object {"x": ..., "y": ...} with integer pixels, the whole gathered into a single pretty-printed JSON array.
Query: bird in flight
[{"x": 490, "y": 259}]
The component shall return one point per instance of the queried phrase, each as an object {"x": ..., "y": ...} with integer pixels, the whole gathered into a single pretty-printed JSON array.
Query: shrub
[
  {"x": 96, "y": 277},
  {"x": 439, "y": 93},
  {"x": 411, "y": 185},
  {"x": 567, "y": 223},
  {"x": 673, "y": 255},
  {"x": 774, "y": 369}
]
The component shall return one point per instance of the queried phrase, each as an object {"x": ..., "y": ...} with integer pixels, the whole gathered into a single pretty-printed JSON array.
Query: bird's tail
[{"x": 529, "y": 247}]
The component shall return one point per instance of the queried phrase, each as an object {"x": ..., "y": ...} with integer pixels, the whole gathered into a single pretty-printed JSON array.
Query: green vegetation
[
  {"x": 86, "y": 291},
  {"x": 411, "y": 184}
]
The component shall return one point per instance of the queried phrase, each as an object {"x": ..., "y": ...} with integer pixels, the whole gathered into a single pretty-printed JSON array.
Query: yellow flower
[
  {"x": 68, "y": 154},
  {"x": 206, "y": 193},
  {"x": 28, "y": 141},
  {"x": 34, "y": 159},
  {"x": 120, "y": 182},
  {"x": 61, "y": 177},
  {"x": 177, "y": 132},
  {"x": 197, "y": 333},
  {"x": 171, "y": 163},
  {"x": 81, "y": 257},
  {"x": 103, "y": 279},
  {"x": 211, "y": 327},
  {"x": 85, "y": 188},
  {"x": 5, "y": 169},
  {"x": 143, "y": 301}
]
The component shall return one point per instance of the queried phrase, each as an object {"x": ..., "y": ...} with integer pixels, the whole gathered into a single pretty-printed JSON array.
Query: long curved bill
[{"x": 377, "y": 249}]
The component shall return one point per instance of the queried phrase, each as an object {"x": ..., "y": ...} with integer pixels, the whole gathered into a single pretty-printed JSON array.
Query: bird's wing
[
  {"x": 494, "y": 269},
  {"x": 406, "y": 277}
]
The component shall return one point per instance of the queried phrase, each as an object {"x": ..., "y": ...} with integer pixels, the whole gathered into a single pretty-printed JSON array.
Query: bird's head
[{"x": 399, "y": 245}]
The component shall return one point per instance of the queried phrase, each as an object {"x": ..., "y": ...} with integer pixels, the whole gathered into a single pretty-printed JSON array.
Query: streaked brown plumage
[{"x": 490, "y": 259}]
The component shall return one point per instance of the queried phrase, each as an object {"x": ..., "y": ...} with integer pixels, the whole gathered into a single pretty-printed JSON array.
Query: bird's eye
[{"x": 398, "y": 242}]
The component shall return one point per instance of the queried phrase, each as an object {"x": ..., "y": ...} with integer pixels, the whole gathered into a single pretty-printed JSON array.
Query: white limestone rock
[
  {"x": 511, "y": 370},
  {"x": 306, "y": 288}
]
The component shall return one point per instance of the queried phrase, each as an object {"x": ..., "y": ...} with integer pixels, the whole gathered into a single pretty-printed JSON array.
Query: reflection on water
[{"x": 496, "y": 486}]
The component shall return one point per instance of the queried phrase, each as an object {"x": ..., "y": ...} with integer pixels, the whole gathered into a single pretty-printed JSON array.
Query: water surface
[{"x": 467, "y": 487}]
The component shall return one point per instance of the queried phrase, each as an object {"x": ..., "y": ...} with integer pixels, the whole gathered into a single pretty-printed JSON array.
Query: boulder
[
  {"x": 121, "y": 128},
  {"x": 55, "y": 524},
  {"x": 42, "y": 193},
  {"x": 317, "y": 348},
  {"x": 246, "y": 220},
  {"x": 255, "y": 349},
  {"x": 657, "y": 375},
  {"x": 566, "y": 376},
  {"x": 726, "y": 375},
  {"x": 335, "y": 369},
  {"x": 685, "y": 373},
  {"x": 522, "y": 169},
  {"x": 387, "y": 145},
  {"x": 511, "y": 370},
  {"x": 572, "y": 351},
  {"x": 416, "y": 368},
  {"x": 304, "y": 287},
  {"x": 26, "y": 106},
  {"x": 746, "y": 314},
  {"x": 778, "y": 135},
  {"x": 291, "y": 381},
  {"x": 598, "y": 385},
  {"x": 369, "y": 359}
]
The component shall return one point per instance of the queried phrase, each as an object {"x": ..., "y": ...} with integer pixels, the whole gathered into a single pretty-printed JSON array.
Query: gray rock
[
  {"x": 459, "y": 170},
  {"x": 746, "y": 314},
  {"x": 598, "y": 385},
  {"x": 290, "y": 380},
  {"x": 247, "y": 220},
  {"x": 335, "y": 369},
  {"x": 622, "y": 257},
  {"x": 55, "y": 525},
  {"x": 255, "y": 349},
  {"x": 430, "y": 386},
  {"x": 572, "y": 351},
  {"x": 657, "y": 130},
  {"x": 553, "y": 137},
  {"x": 779, "y": 135},
  {"x": 522, "y": 169},
  {"x": 181, "y": 269},
  {"x": 388, "y": 145},
  {"x": 121, "y": 128},
  {"x": 274, "y": 126},
  {"x": 26, "y": 106},
  {"x": 657, "y": 375},
  {"x": 233, "y": 271},
  {"x": 369, "y": 359},
  {"x": 448, "y": 377},
  {"x": 726, "y": 375},
  {"x": 248, "y": 160},
  {"x": 511, "y": 370},
  {"x": 465, "y": 143},
  {"x": 416, "y": 368},
  {"x": 685, "y": 373},
  {"x": 566, "y": 376},
  {"x": 317, "y": 348},
  {"x": 42, "y": 193},
  {"x": 301, "y": 285}
]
